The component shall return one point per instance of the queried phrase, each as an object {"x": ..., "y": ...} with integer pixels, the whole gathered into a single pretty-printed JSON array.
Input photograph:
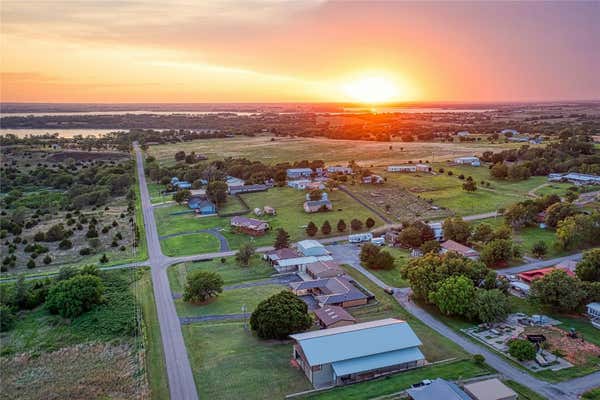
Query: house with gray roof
[
  {"x": 333, "y": 317},
  {"x": 358, "y": 352},
  {"x": 438, "y": 389},
  {"x": 337, "y": 291},
  {"x": 311, "y": 247}
]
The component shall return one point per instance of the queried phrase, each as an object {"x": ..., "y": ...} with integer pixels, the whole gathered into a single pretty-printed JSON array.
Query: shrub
[
  {"x": 31, "y": 263},
  {"x": 478, "y": 359},
  {"x": 39, "y": 237},
  {"x": 370, "y": 222},
  {"x": 522, "y": 350},
  {"x": 91, "y": 233},
  {"x": 539, "y": 249},
  {"x": 341, "y": 225},
  {"x": 7, "y": 318},
  {"x": 74, "y": 296},
  {"x": 201, "y": 285},
  {"x": 356, "y": 224},
  {"x": 86, "y": 251},
  {"x": 47, "y": 260},
  {"x": 103, "y": 259},
  {"x": 311, "y": 229},
  {"x": 65, "y": 244}
]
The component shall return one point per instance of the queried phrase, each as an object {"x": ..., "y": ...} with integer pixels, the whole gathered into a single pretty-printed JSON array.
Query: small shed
[
  {"x": 333, "y": 316},
  {"x": 490, "y": 389}
]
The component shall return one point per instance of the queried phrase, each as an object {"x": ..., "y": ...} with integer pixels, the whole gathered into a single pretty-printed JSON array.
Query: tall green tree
[
  {"x": 202, "y": 285},
  {"x": 491, "y": 306},
  {"x": 356, "y": 224},
  {"x": 588, "y": 269},
  {"x": 279, "y": 316},
  {"x": 557, "y": 290},
  {"x": 217, "y": 192},
  {"x": 282, "y": 240},
  {"x": 244, "y": 254},
  {"x": 454, "y": 296},
  {"x": 74, "y": 296},
  {"x": 455, "y": 228},
  {"x": 311, "y": 229}
]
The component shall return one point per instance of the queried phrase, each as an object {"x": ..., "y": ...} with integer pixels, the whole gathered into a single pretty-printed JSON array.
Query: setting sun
[{"x": 371, "y": 90}]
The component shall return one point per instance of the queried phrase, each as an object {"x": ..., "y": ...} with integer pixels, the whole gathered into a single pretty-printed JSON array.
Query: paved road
[
  {"x": 545, "y": 389},
  {"x": 568, "y": 390},
  {"x": 179, "y": 370}
]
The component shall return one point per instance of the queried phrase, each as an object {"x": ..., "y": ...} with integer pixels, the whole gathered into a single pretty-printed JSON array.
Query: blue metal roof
[
  {"x": 437, "y": 390},
  {"x": 376, "y": 361},
  {"x": 355, "y": 341}
]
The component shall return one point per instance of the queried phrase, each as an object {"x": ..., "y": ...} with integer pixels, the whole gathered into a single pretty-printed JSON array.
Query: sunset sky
[{"x": 270, "y": 51}]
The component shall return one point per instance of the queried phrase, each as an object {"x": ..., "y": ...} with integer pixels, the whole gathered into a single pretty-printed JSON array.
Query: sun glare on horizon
[{"x": 371, "y": 90}]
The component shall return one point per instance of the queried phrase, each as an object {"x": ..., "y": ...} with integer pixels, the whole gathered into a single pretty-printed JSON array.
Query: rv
[
  {"x": 378, "y": 241},
  {"x": 360, "y": 237}
]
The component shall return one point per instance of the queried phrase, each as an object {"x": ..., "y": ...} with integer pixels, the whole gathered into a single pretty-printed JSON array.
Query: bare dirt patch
[{"x": 577, "y": 351}]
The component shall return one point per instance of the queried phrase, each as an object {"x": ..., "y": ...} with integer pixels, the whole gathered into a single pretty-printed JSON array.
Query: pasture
[
  {"x": 174, "y": 219},
  {"x": 272, "y": 150}
]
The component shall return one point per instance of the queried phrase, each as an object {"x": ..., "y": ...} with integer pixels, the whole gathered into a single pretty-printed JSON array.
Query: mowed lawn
[
  {"x": 230, "y": 271},
  {"x": 228, "y": 302},
  {"x": 287, "y": 202},
  {"x": 185, "y": 245},
  {"x": 229, "y": 362},
  {"x": 462, "y": 369},
  {"x": 291, "y": 216},
  {"x": 392, "y": 276}
]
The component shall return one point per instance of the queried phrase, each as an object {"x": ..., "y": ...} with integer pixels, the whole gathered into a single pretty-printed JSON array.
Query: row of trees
[{"x": 355, "y": 225}]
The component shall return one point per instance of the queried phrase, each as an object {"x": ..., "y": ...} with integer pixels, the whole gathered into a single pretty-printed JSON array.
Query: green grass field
[
  {"x": 230, "y": 271},
  {"x": 462, "y": 369},
  {"x": 392, "y": 277},
  {"x": 231, "y": 363},
  {"x": 261, "y": 148},
  {"x": 190, "y": 244},
  {"x": 446, "y": 191},
  {"x": 524, "y": 392},
  {"x": 155, "y": 360},
  {"x": 228, "y": 302},
  {"x": 527, "y": 237},
  {"x": 290, "y": 216}
]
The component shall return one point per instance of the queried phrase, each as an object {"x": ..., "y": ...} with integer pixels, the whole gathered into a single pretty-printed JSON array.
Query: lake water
[{"x": 66, "y": 133}]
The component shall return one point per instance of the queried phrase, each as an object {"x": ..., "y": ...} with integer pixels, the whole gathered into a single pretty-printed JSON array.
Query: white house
[
  {"x": 473, "y": 161},
  {"x": 463, "y": 133},
  {"x": 423, "y": 168},
  {"x": 509, "y": 131},
  {"x": 593, "y": 311},
  {"x": 575, "y": 178},
  {"x": 339, "y": 170},
  {"x": 402, "y": 168},
  {"x": 294, "y": 173}
]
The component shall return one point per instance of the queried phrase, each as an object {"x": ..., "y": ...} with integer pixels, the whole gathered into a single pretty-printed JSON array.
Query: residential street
[
  {"x": 349, "y": 254},
  {"x": 179, "y": 370},
  {"x": 181, "y": 380}
]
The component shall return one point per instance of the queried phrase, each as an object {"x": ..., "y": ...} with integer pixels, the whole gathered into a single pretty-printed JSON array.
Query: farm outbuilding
[{"x": 358, "y": 352}]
